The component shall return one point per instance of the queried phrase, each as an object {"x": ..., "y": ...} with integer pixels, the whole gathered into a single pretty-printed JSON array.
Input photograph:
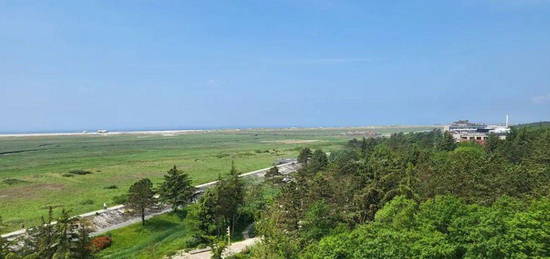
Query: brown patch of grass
[{"x": 29, "y": 191}]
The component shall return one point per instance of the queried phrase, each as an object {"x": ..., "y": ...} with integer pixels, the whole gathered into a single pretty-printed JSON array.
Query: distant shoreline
[
  {"x": 137, "y": 132},
  {"x": 188, "y": 131}
]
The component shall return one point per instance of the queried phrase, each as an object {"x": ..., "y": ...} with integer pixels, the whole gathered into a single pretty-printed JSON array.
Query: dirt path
[{"x": 234, "y": 248}]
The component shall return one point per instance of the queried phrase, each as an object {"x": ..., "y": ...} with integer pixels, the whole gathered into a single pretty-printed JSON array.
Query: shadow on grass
[
  {"x": 180, "y": 213},
  {"x": 159, "y": 225}
]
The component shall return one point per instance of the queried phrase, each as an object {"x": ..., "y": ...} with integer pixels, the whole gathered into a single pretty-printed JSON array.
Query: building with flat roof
[{"x": 464, "y": 130}]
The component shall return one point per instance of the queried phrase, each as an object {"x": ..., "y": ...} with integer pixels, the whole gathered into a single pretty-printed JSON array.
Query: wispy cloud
[{"x": 541, "y": 99}]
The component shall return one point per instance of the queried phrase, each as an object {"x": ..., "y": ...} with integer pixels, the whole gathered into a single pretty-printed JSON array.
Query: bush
[
  {"x": 79, "y": 172},
  {"x": 87, "y": 202},
  {"x": 222, "y": 155},
  {"x": 99, "y": 243},
  {"x": 68, "y": 175},
  {"x": 110, "y": 187},
  {"x": 12, "y": 181},
  {"x": 191, "y": 241}
]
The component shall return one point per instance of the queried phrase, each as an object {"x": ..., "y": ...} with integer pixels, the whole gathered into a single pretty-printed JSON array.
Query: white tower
[{"x": 506, "y": 120}]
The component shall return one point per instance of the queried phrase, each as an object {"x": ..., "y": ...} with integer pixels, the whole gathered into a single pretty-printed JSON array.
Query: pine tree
[
  {"x": 81, "y": 240},
  {"x": 64, "y": 237},
  {"x": 319, "y": 160},
  {"x": 304, "y": 156},
  {"x": 42, "y": 239},
  {"x": 446, "y": 142},
  {"x": 176, "y": 188},
  {"x": 492, "y": 143},
  {"x": 140, "y": 197}
]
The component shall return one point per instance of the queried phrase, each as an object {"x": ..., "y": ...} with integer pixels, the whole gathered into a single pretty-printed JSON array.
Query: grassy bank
[{"x": 160, "y": 236}]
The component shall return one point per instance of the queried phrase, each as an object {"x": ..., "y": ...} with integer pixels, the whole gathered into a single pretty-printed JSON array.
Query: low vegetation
[
  {"x": 30, "y": 182},
  {"x": 160, "y": 236},
  {"x": 79, "y": 172},
  {"x": 13, "y": 181}
]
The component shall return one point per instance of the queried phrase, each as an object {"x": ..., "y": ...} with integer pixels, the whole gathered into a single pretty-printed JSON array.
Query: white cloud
[{"x": 541, "y": 99}]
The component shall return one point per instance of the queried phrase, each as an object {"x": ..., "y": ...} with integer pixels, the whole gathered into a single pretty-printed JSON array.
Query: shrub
[
  {"x": 222, "y": 155},
  {"x": 68, "y": 175},
  {"x": 99, "y": 243},
  {"x": 79, "y": 172},
  {"x": 12, "y": 181},
  {"x": 191, "y": 241},
  {"x": 111, "y": 187},
  {"x": 87, "y": 202}
]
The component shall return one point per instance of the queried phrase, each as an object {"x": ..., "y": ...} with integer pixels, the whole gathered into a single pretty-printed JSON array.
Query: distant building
[
  {"x": 464, "y": 130},
  {"x": 102, "y": 131}
]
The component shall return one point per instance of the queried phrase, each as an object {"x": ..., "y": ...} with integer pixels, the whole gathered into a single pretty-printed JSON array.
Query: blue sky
[{"x": 72, "y": 65}]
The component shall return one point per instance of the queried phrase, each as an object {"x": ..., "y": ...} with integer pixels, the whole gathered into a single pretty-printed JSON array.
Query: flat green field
[
  {"x": 34, "y": 171},
  {"x": 161, "y": 235}
]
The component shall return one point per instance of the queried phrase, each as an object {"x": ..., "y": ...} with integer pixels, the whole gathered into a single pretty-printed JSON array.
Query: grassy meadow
[
  {"x": 35, "y": 171},
  {"x": 161, "y": 235}
]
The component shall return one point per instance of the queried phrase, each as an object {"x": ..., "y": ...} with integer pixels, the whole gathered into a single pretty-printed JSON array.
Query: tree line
[{"x": 415, "y": 195}]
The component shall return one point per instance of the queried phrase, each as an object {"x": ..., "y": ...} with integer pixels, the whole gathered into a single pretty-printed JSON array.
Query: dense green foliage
[
  {"x": 62, "y": 237},
  {"x": 416, "y": 195},
  {"x": 445, "y": 227},
  {"x": 141, "y": 197},
  {"x": 219, "y": 207},
  {"x": 176, "y": 189}
]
